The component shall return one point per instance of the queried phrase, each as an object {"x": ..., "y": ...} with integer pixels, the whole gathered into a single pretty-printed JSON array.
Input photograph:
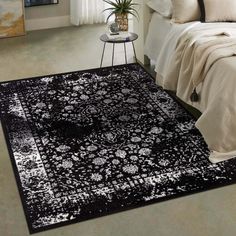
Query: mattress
[{"x": 159, "y": 28}]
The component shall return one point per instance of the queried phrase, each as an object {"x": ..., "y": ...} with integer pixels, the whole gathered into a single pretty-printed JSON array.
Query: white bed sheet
[{"x": 158, "y": 30}]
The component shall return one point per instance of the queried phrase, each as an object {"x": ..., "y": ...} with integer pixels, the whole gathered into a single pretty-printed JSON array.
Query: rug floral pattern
[{"x": 90, "y": 143}]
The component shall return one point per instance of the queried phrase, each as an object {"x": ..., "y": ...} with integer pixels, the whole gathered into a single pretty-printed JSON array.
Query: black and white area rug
[{"x": 91, "y": 143}]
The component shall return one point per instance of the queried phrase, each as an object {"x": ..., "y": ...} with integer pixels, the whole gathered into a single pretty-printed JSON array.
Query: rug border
[
  {"x": 139, "y": 205},
  {"x": 16, "y": 174},
  {"x": 70, "y": 72}
]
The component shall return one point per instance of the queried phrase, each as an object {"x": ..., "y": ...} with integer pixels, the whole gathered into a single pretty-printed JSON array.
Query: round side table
[{"x": 129, "y": 39}]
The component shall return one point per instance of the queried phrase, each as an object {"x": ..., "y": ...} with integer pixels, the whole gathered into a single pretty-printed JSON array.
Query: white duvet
[{"x": 217, "y": 88}]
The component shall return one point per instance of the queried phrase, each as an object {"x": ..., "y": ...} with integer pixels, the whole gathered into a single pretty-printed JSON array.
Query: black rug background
[{"x": 91, "y": 143}]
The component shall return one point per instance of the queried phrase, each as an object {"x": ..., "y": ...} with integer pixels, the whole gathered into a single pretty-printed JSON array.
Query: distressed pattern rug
[{"x": 90, "y": 143}]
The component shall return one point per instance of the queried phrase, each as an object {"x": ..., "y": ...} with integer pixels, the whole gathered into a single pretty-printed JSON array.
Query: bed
[{"x": 217, "y": 90}]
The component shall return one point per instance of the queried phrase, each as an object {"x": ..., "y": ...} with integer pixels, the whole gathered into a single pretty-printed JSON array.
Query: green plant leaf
[
  {"x": 109, "y": 16},
  {"x": 122, "y": 6},
  {"x": 131, "y": 13},
  {"x": 109, "y": 9},
  {"x": 111, "y": 3}
]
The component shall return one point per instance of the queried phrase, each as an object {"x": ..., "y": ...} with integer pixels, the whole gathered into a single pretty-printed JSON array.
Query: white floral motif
[
  {"x": 186, "y": 126},
  {"x": 66, "y": 98},
  {"x": 121, "y": 153},
  {"x": 125, "y": 90},
  {"x": 75, "y": 158},
  {"x": 135, "y": 139},
  {"x": 107, "y": 101},
  {"x": 63, "y": 148},
  {"x": 82, "y": 81},
  {"x": 101, "y": 92},
  {"x": 77, "y": 88},
  {"x": 46, "y": 115},
  {"x": 40, "y": 105},
  {"x": 92, "y": 148},
  {"x": 92, "y": 110},
  {"x": 115, "y": 161},
  {"x": 104, "y": 151},
  {"x": 145, "y": 151},
  {"x": 84, "y": 97},
  {"x": 103, "y": 84},
  {"x": 132, "y": 100},
  {"x": 156, "y": 130},
  {"x": 164, "y": 162},
  {"x": 124, "y": 118},
  {"x": 134, "y": 158},
  {"x": 58, "y": 158},
  {"x": 131, "y": 169},
  {"x": 99, "y": 161},
  {"x": 132, "y": 146},
  {"x": 47, "y": 79},
  {"x": 110, "y": 136},
  {"x": 69, "y": 108},
  {"x": 96, "y": 177},
  {"x": 158, "y": 140},
  {"x": 91, "y": 156},
  {"x": 67, "y": 164}
]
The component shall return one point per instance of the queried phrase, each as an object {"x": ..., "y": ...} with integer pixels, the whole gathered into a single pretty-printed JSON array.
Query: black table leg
[
  {"x": 113, "y": 54},
  {"x": 136, "y": 60},
  {"x": 103, "y": 54},
  {"x": 125, "y": 54},
  {"x": 134, "y": 53}
]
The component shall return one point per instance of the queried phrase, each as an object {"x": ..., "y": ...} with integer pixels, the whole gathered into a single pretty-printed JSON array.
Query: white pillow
[
  {"x": 185, "y": 11},
  {"x": 163, "y": 7},
  {"x": 220, "y": 10}
]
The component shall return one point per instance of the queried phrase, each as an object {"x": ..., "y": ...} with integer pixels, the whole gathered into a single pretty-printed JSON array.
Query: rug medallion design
[{"x": 90, "y": 143}]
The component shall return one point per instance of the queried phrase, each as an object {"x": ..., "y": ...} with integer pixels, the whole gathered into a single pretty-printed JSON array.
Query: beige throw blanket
[
  {"x": 198, "y": 50},
  {"x": 205, "y": 58}
]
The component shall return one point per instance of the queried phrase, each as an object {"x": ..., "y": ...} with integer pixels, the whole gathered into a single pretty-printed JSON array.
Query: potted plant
[{"x": 121, "y": 9}]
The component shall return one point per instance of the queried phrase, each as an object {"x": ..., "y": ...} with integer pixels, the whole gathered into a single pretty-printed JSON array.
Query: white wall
[{"x": 48, "y": 16}]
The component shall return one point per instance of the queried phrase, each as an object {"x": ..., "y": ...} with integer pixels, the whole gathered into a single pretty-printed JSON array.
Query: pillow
[
  {"x": 185, "y": 11},
  {"x": 163, "y": 7},
  {"x": 219, "y": 10}
]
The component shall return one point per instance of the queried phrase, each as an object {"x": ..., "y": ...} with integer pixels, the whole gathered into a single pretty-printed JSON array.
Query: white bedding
[
  {"x": 218, "y": 97},
  {"x": 158, "y": 30}
]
